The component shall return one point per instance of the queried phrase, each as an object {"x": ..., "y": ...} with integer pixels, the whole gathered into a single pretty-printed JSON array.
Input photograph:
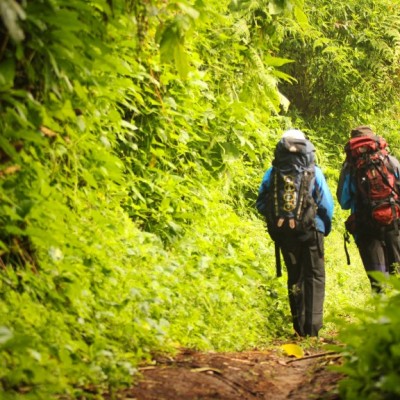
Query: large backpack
[
  {"x": 288, "y": 205},
  {"x": 377, "y": 198}
]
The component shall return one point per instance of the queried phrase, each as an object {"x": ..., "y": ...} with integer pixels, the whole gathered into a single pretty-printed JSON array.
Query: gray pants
[{"x": 306, "y": 284}]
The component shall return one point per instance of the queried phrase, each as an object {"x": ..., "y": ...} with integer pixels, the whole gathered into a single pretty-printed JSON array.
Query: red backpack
[{"x": 377, "y": 194}]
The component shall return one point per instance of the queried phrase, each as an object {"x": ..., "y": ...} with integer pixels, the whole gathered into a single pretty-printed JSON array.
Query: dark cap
[{"x": 362, "y": 130}]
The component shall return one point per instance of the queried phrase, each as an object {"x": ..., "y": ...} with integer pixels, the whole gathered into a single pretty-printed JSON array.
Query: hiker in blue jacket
[
  {"x": 303, "y": 253},
  {"x": 378, "y": 244}
]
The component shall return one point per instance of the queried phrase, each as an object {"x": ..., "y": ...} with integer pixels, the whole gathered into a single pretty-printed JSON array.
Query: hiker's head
[
  {"x": 362, "y": 130},
  {"x": 294, "y": 134}
]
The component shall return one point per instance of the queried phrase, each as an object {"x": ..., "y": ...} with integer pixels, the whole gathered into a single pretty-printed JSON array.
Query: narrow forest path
[{"x": 244, "y": 375}]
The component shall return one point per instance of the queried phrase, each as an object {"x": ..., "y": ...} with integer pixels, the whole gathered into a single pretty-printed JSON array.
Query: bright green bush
[
  {"x": 134, "y": 136},
  {"x": 372, "y": 348},
  {"x": 119, "y": 231}
]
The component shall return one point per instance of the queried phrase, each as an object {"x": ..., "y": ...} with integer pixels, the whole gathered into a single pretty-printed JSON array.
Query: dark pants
[
  {"x": 379, "y": 254},
  {"x": 306, "y": 284}
]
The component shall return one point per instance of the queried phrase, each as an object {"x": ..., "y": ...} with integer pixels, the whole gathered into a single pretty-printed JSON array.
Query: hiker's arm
[
  {"x": 266, "y": 179},
  {"x": 324, "y": 200},
  {"x": 262, "y": 192},
  {"x": 395, "y": 165},
  {"x": 344, "y": 192}
]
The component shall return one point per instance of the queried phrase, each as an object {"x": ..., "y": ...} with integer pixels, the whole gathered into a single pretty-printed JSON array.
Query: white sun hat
[{"x": 293, "y": 133}]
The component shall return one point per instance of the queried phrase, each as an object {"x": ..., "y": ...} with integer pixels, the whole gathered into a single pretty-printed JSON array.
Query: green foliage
[
  {"x": 113, "y": 150},
  {"x": 372, "y": 348},
  {"x": 228, "y": 277},
  {"x": 134, "y": 135},
  {"x": 347, "y": 65}
]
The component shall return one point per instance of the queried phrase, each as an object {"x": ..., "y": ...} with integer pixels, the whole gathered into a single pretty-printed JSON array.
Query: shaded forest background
[{"x": 133, "y": 138}]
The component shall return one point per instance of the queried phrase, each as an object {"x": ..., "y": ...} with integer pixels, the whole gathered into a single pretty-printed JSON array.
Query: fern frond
[{"x": 241, "y": 30}]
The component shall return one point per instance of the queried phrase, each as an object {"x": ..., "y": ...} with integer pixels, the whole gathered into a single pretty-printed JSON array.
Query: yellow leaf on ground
[{"x": 293, "y": 350}]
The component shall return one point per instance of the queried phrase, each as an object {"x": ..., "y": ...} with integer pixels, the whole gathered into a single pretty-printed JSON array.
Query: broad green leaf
[
  {"x": 181, "y": 61},
  {"x": 301, "y": 18},
  {"x": 276, "y": 61},
  {"x": 283, "y": 76}
]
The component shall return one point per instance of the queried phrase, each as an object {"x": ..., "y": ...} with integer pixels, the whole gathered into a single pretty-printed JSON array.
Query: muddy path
[{"x": 247, "y": 375}]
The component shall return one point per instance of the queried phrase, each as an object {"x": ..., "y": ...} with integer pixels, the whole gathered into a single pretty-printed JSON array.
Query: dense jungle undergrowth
[{"x": 133, "y": 138}]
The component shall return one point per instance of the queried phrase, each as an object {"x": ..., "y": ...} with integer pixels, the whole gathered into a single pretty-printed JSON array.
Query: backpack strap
[
  {"x": 384, "y": 177},
  {"x": 394, "y": 213},
  {"x": 392, "y": 200},
  {"x": 346, "y": 237},
  {"x": 278, "y": 261}
]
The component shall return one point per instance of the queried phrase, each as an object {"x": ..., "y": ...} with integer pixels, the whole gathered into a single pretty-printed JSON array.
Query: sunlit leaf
[
  {"x": 301, "y": 17},
  {"x": 293, "y": 350},
  {"x": 276, "y": 61},
  {"x": 5, "y": 334},
  {"x": 11, "y": 12},
  {"x": 181, "y": 60}
]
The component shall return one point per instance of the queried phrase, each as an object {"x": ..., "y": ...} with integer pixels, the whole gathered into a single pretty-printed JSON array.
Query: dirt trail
[{"x": 245, "y": 376}]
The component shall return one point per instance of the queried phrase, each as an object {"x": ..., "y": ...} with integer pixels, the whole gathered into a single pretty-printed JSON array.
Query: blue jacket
[
  {"x": 346, "y": 190},
  {"x": 321, "y": 194}
]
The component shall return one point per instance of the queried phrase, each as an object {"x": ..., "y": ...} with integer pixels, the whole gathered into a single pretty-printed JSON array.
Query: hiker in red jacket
[{"x": 369, "y": 187}]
